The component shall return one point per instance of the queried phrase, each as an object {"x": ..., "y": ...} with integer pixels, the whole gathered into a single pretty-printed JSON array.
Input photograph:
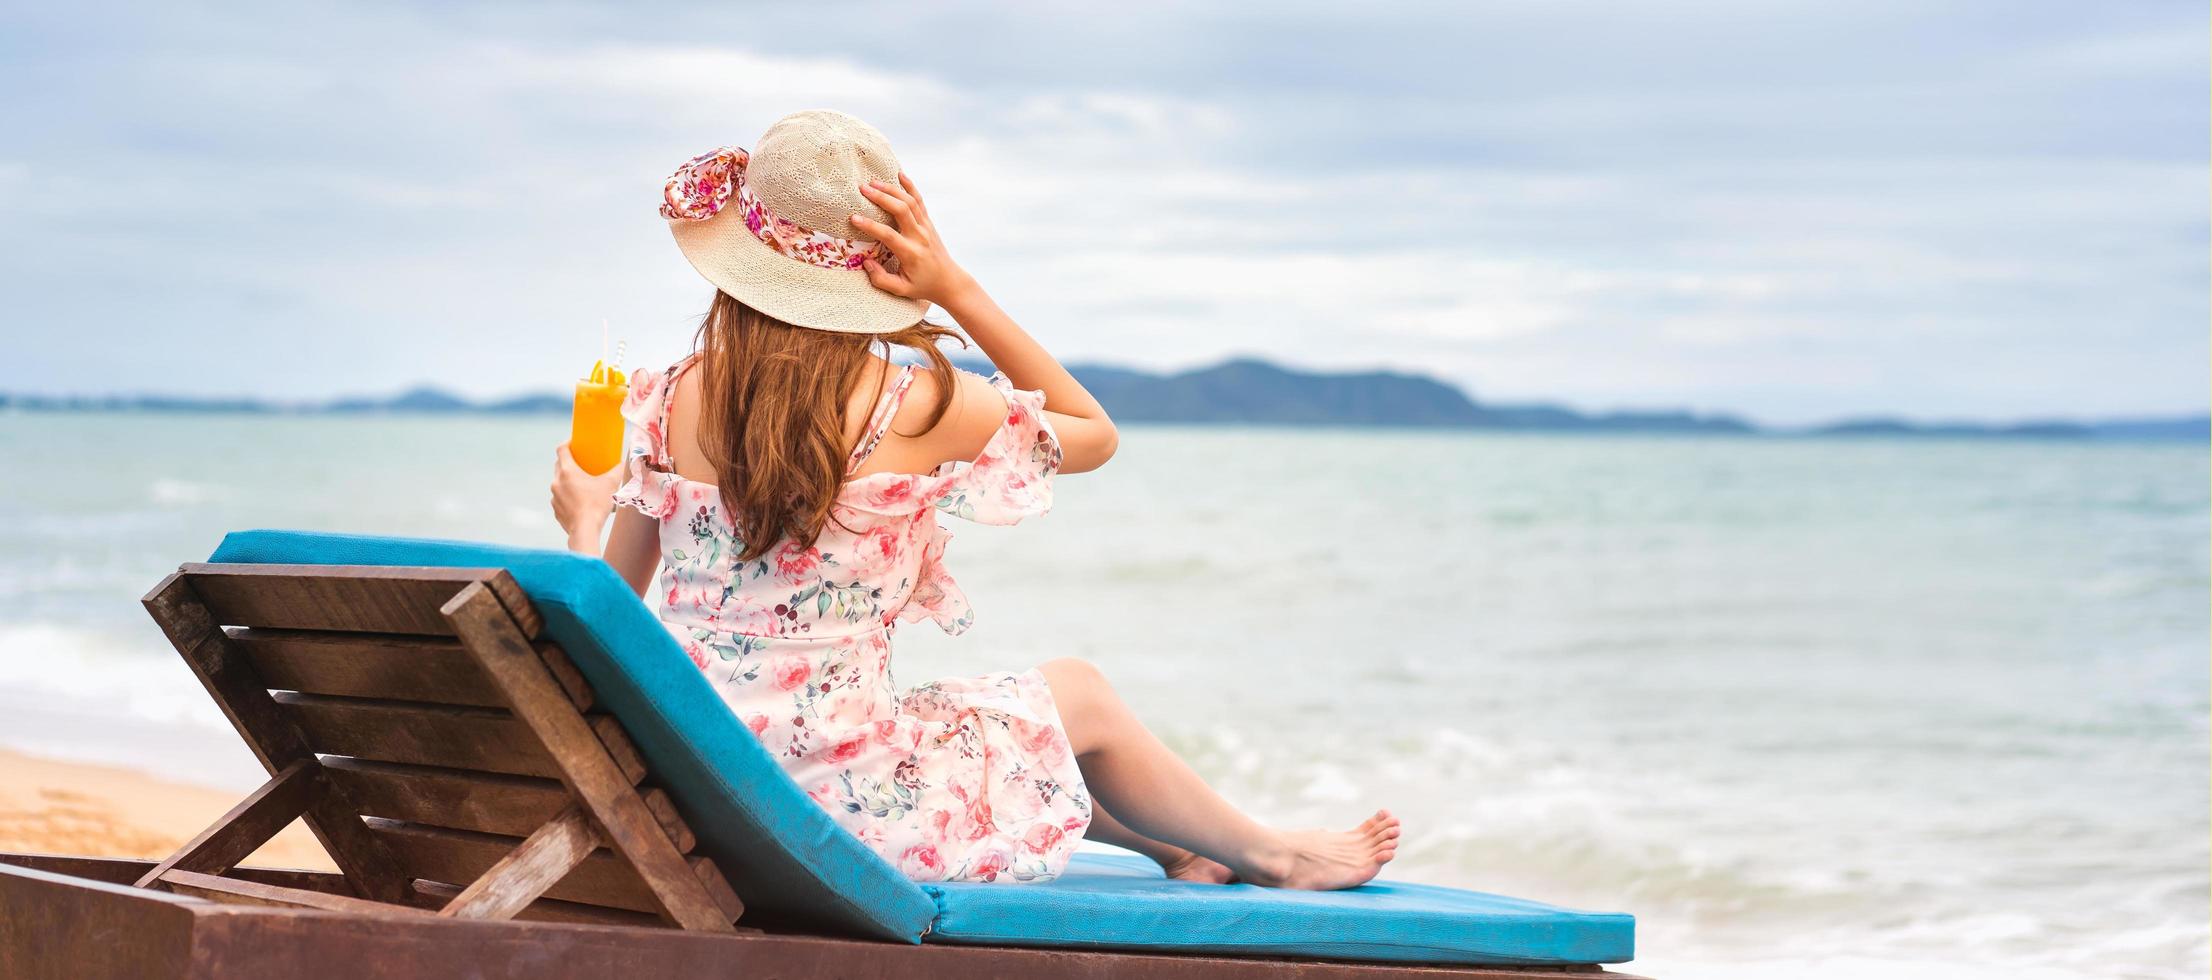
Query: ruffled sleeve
[
  {"x": 1009, "y": 480},
  {"x": 647, "y": 484},
  {"x": 1012, "y": 477},
  {"x": 936, "y": 596}
]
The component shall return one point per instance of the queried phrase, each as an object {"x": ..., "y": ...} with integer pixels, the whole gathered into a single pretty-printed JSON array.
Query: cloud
[{"x": 1802, "y": 213}]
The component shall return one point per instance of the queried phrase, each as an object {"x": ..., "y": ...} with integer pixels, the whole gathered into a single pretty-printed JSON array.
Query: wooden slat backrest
[
  {"x": 366, "y": 599},
  {"x": 452, "y": 736},
  {"x": 427, "y": 734},
  {"x": 408, "y": 683},
  {"x": 493, "y": 803},
  {"x": 230, "y": 680},
  {"x": 393, "y": 666},
  {"x": 482, "y": 801}
]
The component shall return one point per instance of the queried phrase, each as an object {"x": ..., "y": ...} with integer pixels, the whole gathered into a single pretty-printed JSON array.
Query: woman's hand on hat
[{"x": 926, "y": 271}]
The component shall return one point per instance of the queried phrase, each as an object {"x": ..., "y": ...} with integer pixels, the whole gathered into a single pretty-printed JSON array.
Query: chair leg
[
  {"x": 247, "y": 826},
  {"x": 535, "y": 865}
]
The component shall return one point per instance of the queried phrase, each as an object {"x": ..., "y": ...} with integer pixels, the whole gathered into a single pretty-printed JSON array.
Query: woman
[{"x": 786, "y": 478}]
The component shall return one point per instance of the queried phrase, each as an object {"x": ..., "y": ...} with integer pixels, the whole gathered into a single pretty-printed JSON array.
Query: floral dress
[{"x": 964, "y": 779}]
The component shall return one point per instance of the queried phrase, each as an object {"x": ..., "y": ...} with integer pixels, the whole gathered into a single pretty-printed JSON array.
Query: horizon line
[{"x": 374, "y": 403}]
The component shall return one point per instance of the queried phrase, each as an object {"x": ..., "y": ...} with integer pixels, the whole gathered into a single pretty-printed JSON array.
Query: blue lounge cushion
[
  {"x": 781, "y": 851},
  {"x": 786, "y": 856},
  {"x": 1123, "y": 902}
]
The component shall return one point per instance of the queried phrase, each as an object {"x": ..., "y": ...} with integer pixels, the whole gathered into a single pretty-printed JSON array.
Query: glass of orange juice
[{"x": 595, "y": 422}]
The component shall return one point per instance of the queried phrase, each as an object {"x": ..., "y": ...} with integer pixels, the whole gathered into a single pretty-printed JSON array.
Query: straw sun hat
[{"x": 772, "y": 227}]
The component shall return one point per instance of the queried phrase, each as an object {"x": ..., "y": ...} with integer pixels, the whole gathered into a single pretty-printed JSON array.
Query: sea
[{"x": 1873, "y": 707}]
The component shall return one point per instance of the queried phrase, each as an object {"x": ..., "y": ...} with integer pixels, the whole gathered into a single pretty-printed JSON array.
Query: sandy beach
[{"x": 56, "y": 807}]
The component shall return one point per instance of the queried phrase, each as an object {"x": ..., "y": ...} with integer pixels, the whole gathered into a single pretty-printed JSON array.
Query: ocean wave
[
  {"x": 86, "y": 572},
  {"x": 1520, "y": 816},
  {"x": 119, "y": 697},
  {"x": 169, "y": 491},
  {"x": 112, "y": 673}
]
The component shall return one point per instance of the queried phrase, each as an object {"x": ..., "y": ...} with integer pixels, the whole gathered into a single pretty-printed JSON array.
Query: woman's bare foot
[
  {"x": 1205, "y": 871},
  {"x": 1324, "y": 860}
]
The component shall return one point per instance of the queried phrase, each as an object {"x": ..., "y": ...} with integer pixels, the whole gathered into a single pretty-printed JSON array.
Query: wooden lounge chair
[{"x": 518, "y": 773}]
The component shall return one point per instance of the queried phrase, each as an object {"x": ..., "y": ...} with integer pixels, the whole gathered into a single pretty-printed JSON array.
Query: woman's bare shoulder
[{"x": 973, "y": 412}]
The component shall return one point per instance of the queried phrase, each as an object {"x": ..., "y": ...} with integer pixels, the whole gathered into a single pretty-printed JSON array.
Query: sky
[{"x": 1797, "y": 212}]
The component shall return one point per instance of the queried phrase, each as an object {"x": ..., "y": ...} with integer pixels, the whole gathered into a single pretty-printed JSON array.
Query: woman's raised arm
[{"x": 927, "y": 272}]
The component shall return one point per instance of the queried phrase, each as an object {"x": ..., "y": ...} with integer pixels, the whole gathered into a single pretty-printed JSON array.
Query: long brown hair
[{"x": 772, "y": 415}]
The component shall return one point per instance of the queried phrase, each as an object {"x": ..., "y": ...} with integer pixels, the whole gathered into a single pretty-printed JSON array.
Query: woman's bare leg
[
  {"x": 1156, "y": 795},
  {"x": 1175, "y": 861}
]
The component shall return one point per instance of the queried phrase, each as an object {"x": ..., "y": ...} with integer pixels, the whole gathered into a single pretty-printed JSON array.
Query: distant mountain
[
  {"x": 420, "y": 399},
  {"x": 539, "y": 404},
  {"x": 1249, "y": 391},
  {"x": 1900, "y": 427},
  {"x": 137, "y": 403},
  {"x": 2196, "y": 427},
  {"x": 1245, "y": 391}
]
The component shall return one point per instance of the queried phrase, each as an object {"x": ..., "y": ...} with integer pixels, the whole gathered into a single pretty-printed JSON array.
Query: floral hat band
[
  {"x": 742, "y": 216},
  {"x": 703, "y": 187}
]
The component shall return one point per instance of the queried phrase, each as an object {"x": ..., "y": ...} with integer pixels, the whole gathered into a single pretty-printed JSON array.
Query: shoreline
[
  {"x": 2181, "y": 430},
  {"x": 54, "y": 806}
]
